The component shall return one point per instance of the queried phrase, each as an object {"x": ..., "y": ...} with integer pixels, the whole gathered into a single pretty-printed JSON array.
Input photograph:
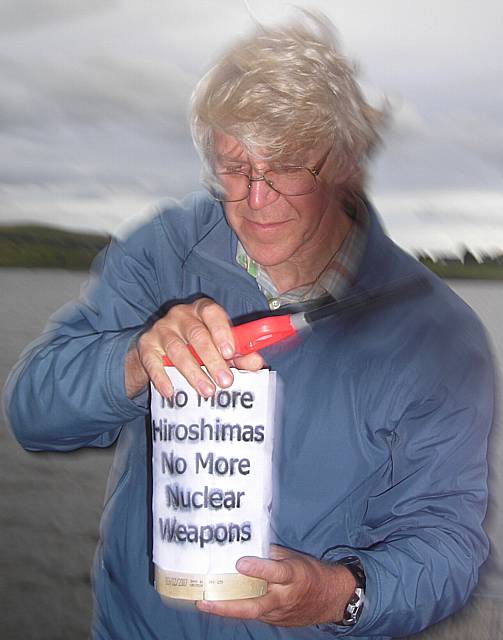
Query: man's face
[{"x": 273, "y": 228}]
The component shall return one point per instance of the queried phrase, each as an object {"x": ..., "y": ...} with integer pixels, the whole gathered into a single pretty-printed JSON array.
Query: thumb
[{"x": 272, "y": 571}]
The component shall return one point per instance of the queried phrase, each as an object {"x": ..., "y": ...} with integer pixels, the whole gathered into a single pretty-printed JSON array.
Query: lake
[{"x": 50, "y": 503}]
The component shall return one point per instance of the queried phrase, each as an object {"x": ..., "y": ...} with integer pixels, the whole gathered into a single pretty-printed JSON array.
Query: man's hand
[
  {"x": 302, "y": 591},
  {"x": 206, "y": 327}
]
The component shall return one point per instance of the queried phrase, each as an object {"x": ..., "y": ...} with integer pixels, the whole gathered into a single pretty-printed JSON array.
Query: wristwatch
[{"x": 354, "y": 607}]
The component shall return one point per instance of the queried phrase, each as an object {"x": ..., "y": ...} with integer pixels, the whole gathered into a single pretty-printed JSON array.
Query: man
[{"x": 381, "y": 473}]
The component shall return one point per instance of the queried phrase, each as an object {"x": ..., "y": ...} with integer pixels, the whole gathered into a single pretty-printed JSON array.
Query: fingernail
[
  {"x": 166, "y": 390},
  {"x": 256, "y": 360},
  {"x": 226, "y": 350},
  {"x": 205, "y": 388},
  {"x": 224, "y": 378},
  {"x": 243, "y": 565}
]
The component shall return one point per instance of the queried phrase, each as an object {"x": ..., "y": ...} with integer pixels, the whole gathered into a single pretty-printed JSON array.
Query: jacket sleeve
[
  {"x": 420, "y": 539},
  {"x": 67, "y": 390}
]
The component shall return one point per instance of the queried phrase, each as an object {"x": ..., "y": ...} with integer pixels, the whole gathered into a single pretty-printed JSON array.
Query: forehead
[{"x": 228, "y": 148}]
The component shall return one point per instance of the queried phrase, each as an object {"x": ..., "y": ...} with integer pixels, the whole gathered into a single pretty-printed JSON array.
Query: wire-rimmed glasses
[{"x": 288, "y": 180}]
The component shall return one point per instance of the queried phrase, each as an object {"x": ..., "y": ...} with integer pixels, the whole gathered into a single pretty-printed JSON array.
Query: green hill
[
  {"x": 469, "y": 271},
  {"x": 48, "y": 247}
]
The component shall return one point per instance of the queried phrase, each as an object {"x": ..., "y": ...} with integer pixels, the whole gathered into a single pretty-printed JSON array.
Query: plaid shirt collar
[{"x": 337, "y": 276}]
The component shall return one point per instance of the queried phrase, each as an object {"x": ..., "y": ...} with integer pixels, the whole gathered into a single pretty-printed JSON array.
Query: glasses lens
[
  {"x": 232, "y": 187},
  {"x": 291, "y": 181}
]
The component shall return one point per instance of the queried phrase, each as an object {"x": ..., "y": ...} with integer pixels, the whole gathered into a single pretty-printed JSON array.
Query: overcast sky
[{"x": 94, "y": 93}]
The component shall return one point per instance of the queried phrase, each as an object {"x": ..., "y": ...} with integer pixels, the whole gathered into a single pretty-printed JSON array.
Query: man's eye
[
  {"x": 287, "y": 170},
  {"x": 234, "y": 169}
]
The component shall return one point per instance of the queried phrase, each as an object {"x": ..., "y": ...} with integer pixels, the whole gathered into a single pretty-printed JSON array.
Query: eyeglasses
[{"x": 234, "y": 186}]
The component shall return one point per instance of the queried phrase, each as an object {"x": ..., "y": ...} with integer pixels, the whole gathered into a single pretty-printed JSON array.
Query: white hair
[{"x": 284, "y": 90}]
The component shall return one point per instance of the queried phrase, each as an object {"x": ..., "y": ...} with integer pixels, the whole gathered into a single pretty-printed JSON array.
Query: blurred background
[{"x": 94, "y": 130}]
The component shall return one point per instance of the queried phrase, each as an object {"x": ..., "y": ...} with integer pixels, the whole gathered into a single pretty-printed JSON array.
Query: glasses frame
[{"x": 314, "y": 171}]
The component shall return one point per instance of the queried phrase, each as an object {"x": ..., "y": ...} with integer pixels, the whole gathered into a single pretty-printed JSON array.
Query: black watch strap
[{"x": 355, "y": 605}]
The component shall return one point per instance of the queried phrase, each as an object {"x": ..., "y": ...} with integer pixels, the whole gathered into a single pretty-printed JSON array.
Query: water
[{"x": 50, "y": 503}]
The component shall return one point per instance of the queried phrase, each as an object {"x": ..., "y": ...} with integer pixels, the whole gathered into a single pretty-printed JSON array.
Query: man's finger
[
  {"x": 181, "y": 358},
  {"x": 272, "y": 571},
  {"x": 251, "y": 362},
  {"x": 199, "y": 338},
  {"x": 219, "y": 325},
  {"x": 153, "y": 364},
  {"x": 247, "y": 609}
]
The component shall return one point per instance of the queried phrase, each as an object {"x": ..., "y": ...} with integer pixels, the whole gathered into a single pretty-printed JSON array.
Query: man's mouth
[{"x": 265, "y": 226}]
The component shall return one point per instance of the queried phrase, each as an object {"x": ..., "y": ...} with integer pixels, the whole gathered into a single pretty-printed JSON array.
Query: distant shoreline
[
  {"x": 460, "y": 271},
  {"x": 34, "y": 246},
  {"x": 42, "y": 247}
]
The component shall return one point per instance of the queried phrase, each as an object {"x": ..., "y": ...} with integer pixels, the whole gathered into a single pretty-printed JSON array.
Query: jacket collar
[
  {"x": 374, "y": 266},
  {"x": 214, "y": 256}
]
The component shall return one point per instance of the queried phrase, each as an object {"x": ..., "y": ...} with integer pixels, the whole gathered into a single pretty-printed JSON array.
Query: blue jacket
[{"x": 382, "y": 453}]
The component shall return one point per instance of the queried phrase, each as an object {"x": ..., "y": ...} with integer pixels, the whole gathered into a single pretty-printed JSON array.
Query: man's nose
[{"x": 261, "y": 194}]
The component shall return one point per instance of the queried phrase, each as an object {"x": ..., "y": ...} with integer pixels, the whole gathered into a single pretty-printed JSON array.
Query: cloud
[
  {"x": 477, "y": 132},
  {"x": 456, "y": 148},
  {"x": 114, "y": 155},
  {"x": 406, "y": 121},
  {"x": 443, "y": 219},
  {"x": 96, "y": 89},
  {"x": 21, "y": 15},
  {"x": 94, "y": 93}
]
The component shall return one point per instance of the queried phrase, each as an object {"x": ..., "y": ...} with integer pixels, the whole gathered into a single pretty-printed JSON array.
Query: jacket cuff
[
  {"x": 115, "y": 384},
  {"x": 372, "y": 594}
]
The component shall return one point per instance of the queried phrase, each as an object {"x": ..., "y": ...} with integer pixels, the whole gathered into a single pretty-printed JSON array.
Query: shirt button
[{"x": 274, "y": 304}]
